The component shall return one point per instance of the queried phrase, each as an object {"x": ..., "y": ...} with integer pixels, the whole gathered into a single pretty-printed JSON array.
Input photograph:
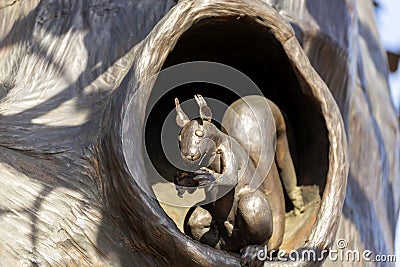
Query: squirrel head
[{"x": 198, "y": 136}]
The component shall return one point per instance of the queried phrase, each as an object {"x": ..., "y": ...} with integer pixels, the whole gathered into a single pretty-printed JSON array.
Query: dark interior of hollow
[{"x": 251, "y": 48}]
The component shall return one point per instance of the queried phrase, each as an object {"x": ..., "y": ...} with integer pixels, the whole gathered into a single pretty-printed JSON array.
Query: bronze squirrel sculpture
[{"x": 242, "y": 218}]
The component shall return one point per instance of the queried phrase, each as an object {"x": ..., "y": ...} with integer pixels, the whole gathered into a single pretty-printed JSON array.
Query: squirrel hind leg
[{"x": 256, "y": 218}]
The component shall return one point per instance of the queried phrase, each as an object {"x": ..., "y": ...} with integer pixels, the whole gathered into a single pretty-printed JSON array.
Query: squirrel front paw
[{"x": 205, "y": 176}]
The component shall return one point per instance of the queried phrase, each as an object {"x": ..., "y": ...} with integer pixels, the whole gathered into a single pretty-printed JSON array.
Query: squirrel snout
[{"x": 192, "y": 157}]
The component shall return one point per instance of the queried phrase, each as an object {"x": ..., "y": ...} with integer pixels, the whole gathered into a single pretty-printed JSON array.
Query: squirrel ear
[
  {"x": 205, "y": 111},
  {"x": 181, "y": 117}
]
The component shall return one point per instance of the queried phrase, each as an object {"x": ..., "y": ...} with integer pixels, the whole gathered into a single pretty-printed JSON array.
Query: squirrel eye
[{"x": 199, "y": 133}]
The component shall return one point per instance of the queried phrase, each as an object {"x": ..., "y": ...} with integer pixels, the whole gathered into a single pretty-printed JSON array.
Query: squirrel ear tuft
[
  {"x": 181, "y": 118},
  {"x": 205, "y": 111}
]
